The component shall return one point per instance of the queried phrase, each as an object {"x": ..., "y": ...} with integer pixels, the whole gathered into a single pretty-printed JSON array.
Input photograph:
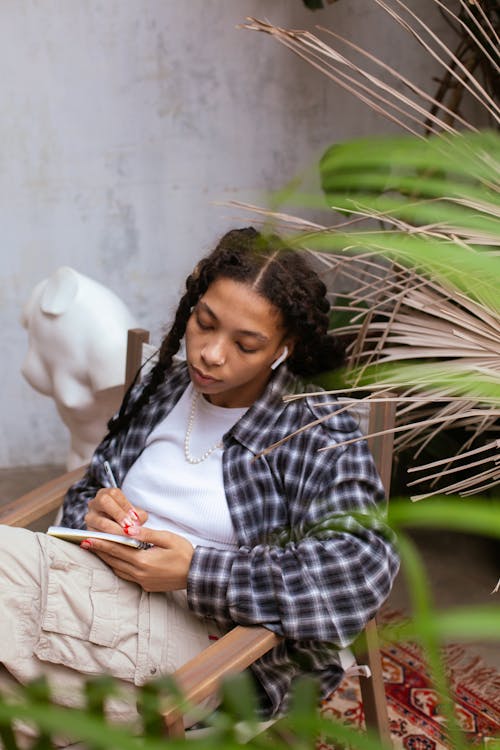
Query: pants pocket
[{"x": 81, "y": 622}]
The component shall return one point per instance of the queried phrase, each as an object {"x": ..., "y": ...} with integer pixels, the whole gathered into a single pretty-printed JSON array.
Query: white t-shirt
[{"x": 185, "y": 498}]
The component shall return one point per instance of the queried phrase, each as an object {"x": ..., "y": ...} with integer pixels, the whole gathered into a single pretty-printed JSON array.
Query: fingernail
[
  {"x": 130, "y": 519},
  {"x": 132, "y": 529},
  {"x": 86, "y": 544}
]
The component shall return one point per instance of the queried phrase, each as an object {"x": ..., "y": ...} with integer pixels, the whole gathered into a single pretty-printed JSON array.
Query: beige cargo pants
[{"x": 64, "y": 613}]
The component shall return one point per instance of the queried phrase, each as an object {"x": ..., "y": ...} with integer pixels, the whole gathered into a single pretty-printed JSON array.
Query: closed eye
[
  {"x": 202, "y": 325},
  {"x": 245, "y": 349}
]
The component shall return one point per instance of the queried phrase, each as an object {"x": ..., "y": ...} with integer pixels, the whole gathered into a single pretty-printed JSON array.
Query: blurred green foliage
[{"x": 237, "y": 717}]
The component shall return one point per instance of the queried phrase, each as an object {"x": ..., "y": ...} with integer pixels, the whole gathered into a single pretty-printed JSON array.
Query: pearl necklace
[{"x": 189, "y": 458}]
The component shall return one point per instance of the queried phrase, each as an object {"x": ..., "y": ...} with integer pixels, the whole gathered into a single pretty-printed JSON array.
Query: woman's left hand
[{"x": 163, "y": 567}]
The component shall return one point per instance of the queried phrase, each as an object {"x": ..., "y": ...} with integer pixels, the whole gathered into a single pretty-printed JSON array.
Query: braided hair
[{"x": 278, "y": 273}]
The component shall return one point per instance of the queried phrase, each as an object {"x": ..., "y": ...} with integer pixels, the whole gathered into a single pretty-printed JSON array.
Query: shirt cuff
[{"x": 208, "y": 580}]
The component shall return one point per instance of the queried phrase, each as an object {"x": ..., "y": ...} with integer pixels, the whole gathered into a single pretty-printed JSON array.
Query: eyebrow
[{"x": 241, "y": 332}]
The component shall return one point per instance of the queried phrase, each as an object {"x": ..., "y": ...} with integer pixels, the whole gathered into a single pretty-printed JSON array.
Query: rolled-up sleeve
[{"x": 328, "y": 575}]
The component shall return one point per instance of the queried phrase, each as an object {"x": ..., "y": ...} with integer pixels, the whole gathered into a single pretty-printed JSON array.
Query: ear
[
  {"x": 287, "y": 348},
  {"x": 290, "y": 344}
]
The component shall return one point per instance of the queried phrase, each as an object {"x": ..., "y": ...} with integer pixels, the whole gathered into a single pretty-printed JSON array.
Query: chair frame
[{"x": 200, "y": 677}]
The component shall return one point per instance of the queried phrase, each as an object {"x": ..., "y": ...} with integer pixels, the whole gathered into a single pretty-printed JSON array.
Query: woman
[{"x": 238, "y": 537}]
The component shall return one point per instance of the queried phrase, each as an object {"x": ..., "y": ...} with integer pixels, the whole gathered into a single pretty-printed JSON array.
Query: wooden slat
[
  {"x": 136, "y": 337},
  {"x": 199, "y": 678},
  {"x": 40, "y": 501},
  {"x": 382, "y": 415},
  {"x": 372, "y": 688}
]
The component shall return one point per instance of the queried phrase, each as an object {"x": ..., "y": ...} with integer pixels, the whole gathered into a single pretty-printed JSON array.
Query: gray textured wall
[{"x": 123, "y": 121}]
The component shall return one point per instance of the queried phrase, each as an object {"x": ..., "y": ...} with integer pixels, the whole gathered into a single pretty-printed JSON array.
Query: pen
[
  {"x": 109, "y": 474},
  {"x": 113, "y": 483}
]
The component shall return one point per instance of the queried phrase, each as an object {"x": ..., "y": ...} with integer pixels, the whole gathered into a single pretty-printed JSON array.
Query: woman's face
[{"x": 232, "y": 337}]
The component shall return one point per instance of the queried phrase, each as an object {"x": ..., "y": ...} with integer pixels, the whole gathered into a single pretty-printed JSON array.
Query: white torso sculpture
[{"x": 77, "y": 349}]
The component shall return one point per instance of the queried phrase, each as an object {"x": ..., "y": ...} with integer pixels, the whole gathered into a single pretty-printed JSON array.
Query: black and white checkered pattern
[{"x": 305, "y": 567}]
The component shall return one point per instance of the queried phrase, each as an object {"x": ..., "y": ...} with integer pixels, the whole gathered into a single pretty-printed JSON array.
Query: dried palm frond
[
  {"x": 415, "y": 111},
  {"x": 415, "y": 309},
  {"x": 438, "y": 300},
  {"x": 422, "y": 294}
]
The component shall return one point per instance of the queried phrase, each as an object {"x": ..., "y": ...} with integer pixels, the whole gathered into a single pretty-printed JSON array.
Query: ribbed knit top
[{"x": 185, "y": 498}]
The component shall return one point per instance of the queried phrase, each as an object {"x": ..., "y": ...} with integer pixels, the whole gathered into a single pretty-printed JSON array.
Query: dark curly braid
[{"x": 276, "y": 272}]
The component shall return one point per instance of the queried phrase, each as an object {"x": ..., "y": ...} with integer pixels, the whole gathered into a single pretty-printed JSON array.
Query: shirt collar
[{"x": 252, "y": 430}]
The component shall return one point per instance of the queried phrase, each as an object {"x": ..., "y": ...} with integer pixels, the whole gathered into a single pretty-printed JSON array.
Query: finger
[
  {"x": 98, "y": 516},
  {"x": 125, "y": 575},
  {"x": 142, "y": 514},
  {"x": 122, "y": 568},
  {"x": 111, "y": 550},
  {"x": 111, "y": 502},
  {"x": 100, "y": 522},
  {"x": 165, "y": 539}
]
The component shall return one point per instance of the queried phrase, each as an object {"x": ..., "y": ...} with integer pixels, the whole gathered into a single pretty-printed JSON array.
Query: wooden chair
[{"x": 200, "y": 678}]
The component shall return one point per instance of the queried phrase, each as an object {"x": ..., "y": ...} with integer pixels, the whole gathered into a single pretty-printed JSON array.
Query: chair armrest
[
  {"x": 40, "y": 501},
  {"x": 201, "y": 676}
]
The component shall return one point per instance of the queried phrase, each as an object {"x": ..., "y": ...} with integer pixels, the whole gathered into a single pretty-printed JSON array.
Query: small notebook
[{"x": 78, "y": 535}]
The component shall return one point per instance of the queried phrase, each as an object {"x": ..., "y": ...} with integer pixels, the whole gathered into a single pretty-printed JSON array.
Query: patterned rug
[{"x": 416, "y": 723}]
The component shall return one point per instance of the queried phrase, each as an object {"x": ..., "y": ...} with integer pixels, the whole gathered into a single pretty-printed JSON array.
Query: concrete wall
[{"x": 123, "y": 121}]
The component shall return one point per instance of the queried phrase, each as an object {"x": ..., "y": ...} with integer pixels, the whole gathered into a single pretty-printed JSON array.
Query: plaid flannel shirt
[{"x": 304, "y": 567}]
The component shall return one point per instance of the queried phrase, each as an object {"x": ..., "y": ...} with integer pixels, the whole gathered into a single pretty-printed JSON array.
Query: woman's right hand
[{"x": 110, "y": 511}]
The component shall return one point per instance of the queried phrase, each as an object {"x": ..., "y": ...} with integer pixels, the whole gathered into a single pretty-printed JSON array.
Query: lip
[{"x": 201, "y": 378}]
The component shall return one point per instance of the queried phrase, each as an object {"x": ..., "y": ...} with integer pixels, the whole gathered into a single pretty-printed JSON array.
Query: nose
[{"x": 213, "y": 354}]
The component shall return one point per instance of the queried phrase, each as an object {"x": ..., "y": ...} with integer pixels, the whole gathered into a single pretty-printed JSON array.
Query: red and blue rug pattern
[{"x": 414, "y": 709}]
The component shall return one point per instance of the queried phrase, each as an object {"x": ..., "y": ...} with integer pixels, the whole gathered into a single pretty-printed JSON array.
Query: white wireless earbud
[{"x": 280, "y": 359}]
